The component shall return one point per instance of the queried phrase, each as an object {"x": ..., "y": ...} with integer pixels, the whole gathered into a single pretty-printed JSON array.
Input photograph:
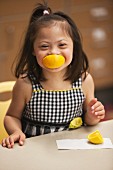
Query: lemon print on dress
[
  {"x": 53, "y": 61},
  {"x": 95, "y": 137}
]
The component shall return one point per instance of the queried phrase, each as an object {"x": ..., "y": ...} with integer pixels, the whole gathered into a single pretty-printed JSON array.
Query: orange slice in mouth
[
  {"x": 95, "y": 137},
  {"x": 53, "y": 61}
]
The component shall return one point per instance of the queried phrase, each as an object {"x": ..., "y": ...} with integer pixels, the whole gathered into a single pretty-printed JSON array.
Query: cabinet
[{"x": 95, "y": 21}]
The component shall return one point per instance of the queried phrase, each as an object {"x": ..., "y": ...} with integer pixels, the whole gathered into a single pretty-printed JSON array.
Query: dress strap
[
  {"x": 35, "y": 86},
  {"x": 78, "y": 83},
  {"x": 32, "y": 78}
]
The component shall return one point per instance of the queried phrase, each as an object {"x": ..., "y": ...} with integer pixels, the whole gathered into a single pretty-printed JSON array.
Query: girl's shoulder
[
  {"x": 23, "y": 81},
  {"x": 85, "y": 79},
  {"x": 23, "y": 87},
  {"x": 88, "y": 78},
  {"x": 88, "y": 84}
]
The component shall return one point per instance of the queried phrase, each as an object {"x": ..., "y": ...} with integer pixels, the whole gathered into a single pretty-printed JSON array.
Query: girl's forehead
[
  {"x": 56, "y": 26},
  {"x": 52, "y": 34}
]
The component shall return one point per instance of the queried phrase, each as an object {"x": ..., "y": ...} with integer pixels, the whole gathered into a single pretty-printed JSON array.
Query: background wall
[{"x": 95, "y": 21}]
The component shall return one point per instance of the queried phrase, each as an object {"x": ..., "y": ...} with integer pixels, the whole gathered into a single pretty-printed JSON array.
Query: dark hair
[{"x": 27, "y": 62}]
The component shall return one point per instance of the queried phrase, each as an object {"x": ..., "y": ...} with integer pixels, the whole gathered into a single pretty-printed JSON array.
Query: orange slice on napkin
[{"x": 95, "y": 137}]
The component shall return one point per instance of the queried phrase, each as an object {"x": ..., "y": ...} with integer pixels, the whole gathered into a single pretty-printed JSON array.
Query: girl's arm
[
  {"x": 94, "y": 109},
  {"x": 20, "y": 96}
]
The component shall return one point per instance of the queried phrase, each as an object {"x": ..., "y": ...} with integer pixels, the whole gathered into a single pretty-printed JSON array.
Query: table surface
[{"x": 41, "y": 153}]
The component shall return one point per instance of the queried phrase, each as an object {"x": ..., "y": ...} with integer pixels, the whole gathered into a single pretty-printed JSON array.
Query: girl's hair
[{"x": 27, "y": 63}]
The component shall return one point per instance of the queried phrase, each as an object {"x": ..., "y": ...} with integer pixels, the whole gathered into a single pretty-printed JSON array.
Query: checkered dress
[{"x": 51, "y": 110}]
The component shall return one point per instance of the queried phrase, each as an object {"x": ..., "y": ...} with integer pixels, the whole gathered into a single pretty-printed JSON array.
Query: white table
[{"x": 41, "y": 153}]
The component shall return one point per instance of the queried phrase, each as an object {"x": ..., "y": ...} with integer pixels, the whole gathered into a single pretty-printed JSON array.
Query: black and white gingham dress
[{"x": 51, "y": 110}]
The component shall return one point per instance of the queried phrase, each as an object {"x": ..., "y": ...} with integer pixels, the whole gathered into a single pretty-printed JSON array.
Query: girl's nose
[{"x": 54, "y": 50}]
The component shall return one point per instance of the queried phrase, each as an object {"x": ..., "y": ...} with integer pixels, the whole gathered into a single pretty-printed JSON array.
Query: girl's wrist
[
  {"x": 17, "y": 131},
  {"x": 90, "y": 119}
]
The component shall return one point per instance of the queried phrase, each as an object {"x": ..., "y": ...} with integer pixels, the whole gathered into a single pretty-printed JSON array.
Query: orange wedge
[
  {"x": 75, "y": 123},
  {"x": 95, "y": 137},
  {"x": 53, "y": 61}
]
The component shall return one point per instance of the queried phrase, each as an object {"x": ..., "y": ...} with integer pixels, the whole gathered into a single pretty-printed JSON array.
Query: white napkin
[{"x": 82, "y": 144}]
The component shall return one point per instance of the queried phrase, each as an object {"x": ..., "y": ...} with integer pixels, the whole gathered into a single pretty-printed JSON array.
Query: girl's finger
[
  {"x": 97, "y": 104},
  {"x": 4, "y": 143},
  {"x": 8, "y": 142},
  {"x": 99, "y": 108},
  {"x": 100, "y": 113},
  {"x": 11, "y": 141},
  {"x": 22, "y": 139},
  {"x": 101, "y": 117}
]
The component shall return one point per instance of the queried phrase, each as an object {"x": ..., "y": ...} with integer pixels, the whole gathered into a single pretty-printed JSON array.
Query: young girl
[{"x": 53, "y": 85}]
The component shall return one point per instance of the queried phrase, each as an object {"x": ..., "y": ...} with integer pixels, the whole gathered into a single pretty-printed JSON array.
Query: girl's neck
[
  {"x": 54, "y": 75},
  {"x": 55, "y": 81}
]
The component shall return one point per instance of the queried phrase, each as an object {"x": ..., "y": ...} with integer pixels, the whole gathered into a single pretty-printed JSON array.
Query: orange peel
[
  {"x": 95, "y": 137},
  {"x": 53, "y": 61},
  {"x": 75, "y": 123}
]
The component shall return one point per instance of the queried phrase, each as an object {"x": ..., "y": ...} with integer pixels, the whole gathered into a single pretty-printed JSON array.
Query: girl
[{"x": 53, "y": 85}]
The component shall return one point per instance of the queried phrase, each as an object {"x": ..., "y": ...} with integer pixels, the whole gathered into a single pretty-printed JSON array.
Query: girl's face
[{"x": 53, "y": 40}]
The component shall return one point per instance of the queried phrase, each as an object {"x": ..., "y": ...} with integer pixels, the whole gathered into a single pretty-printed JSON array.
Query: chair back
[{"x": 6, "y": 86}]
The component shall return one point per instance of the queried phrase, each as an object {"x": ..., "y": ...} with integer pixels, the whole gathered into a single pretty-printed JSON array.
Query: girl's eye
[
  {"x": 63, "y": 45},
  {"x": 44, "y": 46}
]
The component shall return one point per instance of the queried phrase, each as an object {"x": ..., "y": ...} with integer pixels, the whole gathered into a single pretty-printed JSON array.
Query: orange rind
[
  {"x": 75, "y": 123},
  {"x": 95, "y": 137},
  {"x": 53, "y": 61}
]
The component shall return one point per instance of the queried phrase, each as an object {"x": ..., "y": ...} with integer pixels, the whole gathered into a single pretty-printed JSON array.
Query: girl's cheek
[
  {"x": 68, "y": 57},
  {"x": 39, "y": 60}
]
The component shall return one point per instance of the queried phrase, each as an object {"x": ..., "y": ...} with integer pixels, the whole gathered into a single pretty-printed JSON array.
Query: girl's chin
[{"x": 55, "y": 69}]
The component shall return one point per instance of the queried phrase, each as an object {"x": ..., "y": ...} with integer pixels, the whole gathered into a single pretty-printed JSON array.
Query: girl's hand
[
  {"x": 96, "y": 109},
  {"x": 10, "y": 140}
]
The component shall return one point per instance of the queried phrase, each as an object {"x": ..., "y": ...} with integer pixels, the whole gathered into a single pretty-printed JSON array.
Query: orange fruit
[
  {"x": 53, "y": 61},
  {"x": 75, "y": 123},
  {"x": 95, "y": 137}
]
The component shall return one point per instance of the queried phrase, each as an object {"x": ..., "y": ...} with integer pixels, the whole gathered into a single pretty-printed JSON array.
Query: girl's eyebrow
[
  {"x": 62, "y": 40},
  {"x": 44, "y": 41},
  {"x": 47, "y": 41}
]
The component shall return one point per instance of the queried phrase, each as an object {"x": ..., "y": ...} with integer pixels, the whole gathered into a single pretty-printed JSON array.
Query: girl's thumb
[
  {"x": 92, "y": 102},
  {"x": 21, "y": 140}
]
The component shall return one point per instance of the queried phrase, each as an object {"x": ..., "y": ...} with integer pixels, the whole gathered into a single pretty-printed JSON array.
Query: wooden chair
[{"x": 6, "y": 86}]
